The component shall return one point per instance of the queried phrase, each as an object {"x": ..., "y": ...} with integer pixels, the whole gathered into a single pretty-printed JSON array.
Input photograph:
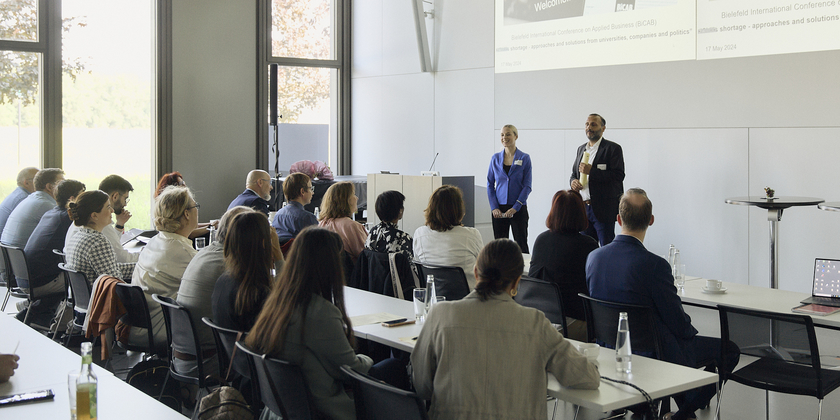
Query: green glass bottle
[{"x": 86, "y": 386}]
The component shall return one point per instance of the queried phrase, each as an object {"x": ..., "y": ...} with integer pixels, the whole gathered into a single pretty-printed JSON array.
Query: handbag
[{"x": 225, "y": 402}]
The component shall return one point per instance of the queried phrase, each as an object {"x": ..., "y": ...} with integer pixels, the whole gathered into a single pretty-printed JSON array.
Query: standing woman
[{"x": 508, "y": 187}]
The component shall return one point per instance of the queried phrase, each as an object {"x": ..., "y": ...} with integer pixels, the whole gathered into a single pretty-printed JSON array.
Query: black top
[
  {"x": 561, "y": 258},
  {"x": 506, "y": 168},
  {"x": 224, "y": 302},
  {"x": 47, "y": 236}
]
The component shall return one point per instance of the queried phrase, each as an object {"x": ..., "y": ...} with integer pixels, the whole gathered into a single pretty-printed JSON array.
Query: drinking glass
[
  {"x": 199, "y": 243},
  {"x": 679, "y": 276},
  {"x": 420, "y": 305},
  {"x": 72, "y": 378}
]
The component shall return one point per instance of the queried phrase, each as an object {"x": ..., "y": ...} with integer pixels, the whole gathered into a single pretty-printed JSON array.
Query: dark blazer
[
  {"x": 250, "y": 199},
  {"x": 605, "y": 185},
  {"x": 624, "y": 271},
  {"x": 47, "y": 236},
  {"x": 561, "y": 258}
]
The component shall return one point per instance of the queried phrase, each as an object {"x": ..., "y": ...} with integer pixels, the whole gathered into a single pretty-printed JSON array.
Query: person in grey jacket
[{"x": 486, "y": 356}]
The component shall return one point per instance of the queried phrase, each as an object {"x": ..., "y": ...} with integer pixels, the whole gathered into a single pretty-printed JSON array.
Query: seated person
[
  {"x": 44, "y": 273},
  {"x": 462, "y": 358},
  {"x": 165, "y": 258},
  {"x": 25, "y": 186},
  {"x": 338, "y": 205},
  {"x": 196, "y": 291},
  {"x": 28, "y": 213},
  {"x": 560, "y": 257},
  {"x": 118, "y": 190},
  {"x": 292, "y": 218},
  {"x": 89, "y": 252},
  {"x": 625, "y": 272},
  {"x": 304, "y": 322},
  {"x": 257, "y": 192},
  {"x": 175, "y": 178},
  {"x": 386, "y": 236},
  {"x": 444, "y": 240}
]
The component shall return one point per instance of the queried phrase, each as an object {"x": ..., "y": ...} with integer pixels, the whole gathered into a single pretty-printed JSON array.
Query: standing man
[
  {"x": 257, "y": 192},
  {"x": 604, "y": 179}
]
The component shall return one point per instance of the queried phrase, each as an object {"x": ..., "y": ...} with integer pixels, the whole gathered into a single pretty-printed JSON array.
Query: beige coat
[{"x": 488, "y": 360}]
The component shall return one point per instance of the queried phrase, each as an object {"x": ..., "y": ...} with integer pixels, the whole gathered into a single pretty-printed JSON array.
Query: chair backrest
[
  {"x": 376, "y": 400},
  {"x": 8, "y": 275},
  {"x": 61, "y": 254},
  {"x": 16, "y": 258},
  {"x": 373, "y": 273},
  {"x": 450, "y": 282},
  {"x": 79, "y": 287},
  {"x": 602, "y": 325},
  {"x": 282, "y": 386},
  {"x": 542, "y": 295},
  {"x": 777, "y": 340},
  {"x": 180, "y": 327},
  {"x": 137, "y": 309}
]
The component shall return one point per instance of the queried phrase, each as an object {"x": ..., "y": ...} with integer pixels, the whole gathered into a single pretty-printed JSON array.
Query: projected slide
[{"x": 556, "y": 34}]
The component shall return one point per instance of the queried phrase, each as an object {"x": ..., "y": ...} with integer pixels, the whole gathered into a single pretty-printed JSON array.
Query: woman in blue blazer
[{"x": 508, "y": 187}]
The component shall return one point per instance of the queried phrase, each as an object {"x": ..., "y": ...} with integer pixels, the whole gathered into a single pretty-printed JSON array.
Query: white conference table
[
  {"x": 657, "y": 378},
  {"x": 44, "y": 364}
]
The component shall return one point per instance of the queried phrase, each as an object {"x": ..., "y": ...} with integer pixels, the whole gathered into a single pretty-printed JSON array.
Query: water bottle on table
[{"x": 623, "y": 352}]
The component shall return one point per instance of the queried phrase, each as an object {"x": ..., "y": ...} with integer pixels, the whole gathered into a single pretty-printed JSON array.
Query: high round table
[
  {"x": 774, "y": 208},
  {"x": 829, "y": 206}
]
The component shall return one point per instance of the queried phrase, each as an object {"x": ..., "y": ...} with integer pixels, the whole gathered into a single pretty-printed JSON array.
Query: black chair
[
  {"x": 602, "y": 325},
  {"x": 450, "y": 282},
  {"x": 545, "y": 296},
  {"x": 373, "y": 273},
  {"x": 226, "y": 339},
  {"x": 780, "y": 351},
  {"x": 376, "y": 400},
  {"x": 80, "y": 289},
  {"x": 137, "y": 316},
  {"x": 10, "y": 281},
  {"x": 179, "y": 323},
  {"x": 282, "y": 386},
  {"x": 16, "y": 258}
]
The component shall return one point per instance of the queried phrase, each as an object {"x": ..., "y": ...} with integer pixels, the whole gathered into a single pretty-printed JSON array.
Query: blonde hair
[
  {"x": 170, "y": 206},
  {"x": 512, "y": 129},
  {"x": 336, "y": 202}
]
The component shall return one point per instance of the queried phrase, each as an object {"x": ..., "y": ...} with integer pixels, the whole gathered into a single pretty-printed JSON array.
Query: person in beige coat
[{"x": 486, "y": 356}]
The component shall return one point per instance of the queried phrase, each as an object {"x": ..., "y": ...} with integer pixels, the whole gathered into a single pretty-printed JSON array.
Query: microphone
[{"x": 433, "y": 161}]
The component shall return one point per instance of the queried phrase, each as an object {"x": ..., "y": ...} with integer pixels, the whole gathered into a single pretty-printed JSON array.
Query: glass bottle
[
  {"x": 671, "y": 251},
  {"x": 623, "y": 352},
  {"x": 86, "y": 386},
  {"x": 430, "y": 292},
  {"x": 213, "y": 234},
  {"x": 317, "y": 212}
]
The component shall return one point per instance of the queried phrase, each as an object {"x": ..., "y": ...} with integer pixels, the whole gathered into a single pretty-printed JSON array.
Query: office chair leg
[
  {"x": 577, "y": 410},
  {"x": 6, "y": 300},
  {"x": 819, "y": 415},
  {"x": 59, "y": 316},
  {"x": 163, "y": 388},
  {"x": 554, "y": 412},
  {"x": 720, "y": 397}
]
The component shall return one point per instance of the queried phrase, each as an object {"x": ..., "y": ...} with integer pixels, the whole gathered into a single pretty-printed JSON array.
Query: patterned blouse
[
  {"x": 90, "y": 253},
  {"x": 386, "y": 237}
]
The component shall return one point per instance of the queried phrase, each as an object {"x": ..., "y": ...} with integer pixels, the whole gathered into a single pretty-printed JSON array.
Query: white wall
[
  {"x": 214, "y": 98},
  {"x": 693, "y": 133}
]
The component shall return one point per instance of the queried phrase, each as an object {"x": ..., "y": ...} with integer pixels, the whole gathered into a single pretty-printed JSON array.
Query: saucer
[{"x": 713, "y": 292}]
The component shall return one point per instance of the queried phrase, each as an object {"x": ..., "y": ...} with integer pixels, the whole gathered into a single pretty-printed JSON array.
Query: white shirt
[
  {"x": 113, "y": 236},
  {"x": 584, "y": 193},
  {"x": 457, "y": 247}
]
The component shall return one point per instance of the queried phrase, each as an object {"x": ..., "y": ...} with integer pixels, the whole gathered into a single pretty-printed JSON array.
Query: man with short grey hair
[
  {"x": 257, "y": 192},
  {"x": 27, "y": 214},
  {"x": 25, "y": 186}
]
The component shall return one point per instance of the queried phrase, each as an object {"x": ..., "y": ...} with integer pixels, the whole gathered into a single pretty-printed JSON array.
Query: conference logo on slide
[{"x": 524, "y": 11}]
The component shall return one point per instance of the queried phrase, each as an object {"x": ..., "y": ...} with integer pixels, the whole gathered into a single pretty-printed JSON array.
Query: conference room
[{"x": 694, "y": 131}]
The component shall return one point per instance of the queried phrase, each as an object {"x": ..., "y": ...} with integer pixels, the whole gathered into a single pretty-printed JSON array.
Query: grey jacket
[{"x": 488, "y": 360}]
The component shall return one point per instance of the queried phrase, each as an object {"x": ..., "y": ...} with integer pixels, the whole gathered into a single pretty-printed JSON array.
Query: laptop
[{"x": 826, "y": 285}]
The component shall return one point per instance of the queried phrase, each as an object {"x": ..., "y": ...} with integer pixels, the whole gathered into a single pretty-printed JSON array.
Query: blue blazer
[
  {"x": 625, "y": 272},
  {"x": 513, "y": 188},
  {"x": 250, "y": 199}
]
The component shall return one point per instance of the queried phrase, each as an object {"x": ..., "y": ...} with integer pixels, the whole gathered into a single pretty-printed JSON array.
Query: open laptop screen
[{"x": 826, "y": 278}]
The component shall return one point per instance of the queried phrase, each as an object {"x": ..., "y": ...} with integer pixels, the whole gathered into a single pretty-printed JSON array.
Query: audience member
[
  {"x": 8, "y": 364},
  {"x": 560, "y": 257},
  {"x": 89, "y": 252},
  {"x": 292, "y": 218},
  {"x": 118, "y": 190},
  {"x": 304, "y": 321},
  {"x": 28, "y": 213},
  {"x": 166, "y": 256},
  {"x": 386, "y": 236},
  {"x": 257, "y": 192},
  {"x": 196, "y": 291},
  {"x": 44, "y": 274},
  {"x": 625, "y": 272},
  {"x": 338, "y": 205},
  {"x": 172, "y": 178},
  {"x": 444, "y": 240},
  {"x": 462, "y": 358},
  {"x": 25, "y": 186}
]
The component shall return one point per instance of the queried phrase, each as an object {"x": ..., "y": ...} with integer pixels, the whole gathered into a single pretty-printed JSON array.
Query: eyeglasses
[{"x": 196, "y": 206}]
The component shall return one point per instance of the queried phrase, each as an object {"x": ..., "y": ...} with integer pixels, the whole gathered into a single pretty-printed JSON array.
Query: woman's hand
[
  {"x": 510, "y": 213},
  {"x": 497, "y": 213}
]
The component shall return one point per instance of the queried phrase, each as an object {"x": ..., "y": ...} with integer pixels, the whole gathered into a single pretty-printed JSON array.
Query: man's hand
[
  {"x": 584, "y": 168},
  {"x": 123, "y": 217},
  {"x": 576, "y": 186},
  {"x": 8, "y": 364},
  {"x": 497, "y": 213},
  {"x": 510, "y": 213}
]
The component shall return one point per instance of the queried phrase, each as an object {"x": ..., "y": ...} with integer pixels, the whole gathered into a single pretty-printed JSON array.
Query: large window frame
[{"x": 341, "y": 63}]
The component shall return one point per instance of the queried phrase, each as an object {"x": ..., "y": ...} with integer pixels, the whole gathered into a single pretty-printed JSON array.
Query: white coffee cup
[
  {"x": 590, "y": 350},
  {"x": 713, "y": 284}
]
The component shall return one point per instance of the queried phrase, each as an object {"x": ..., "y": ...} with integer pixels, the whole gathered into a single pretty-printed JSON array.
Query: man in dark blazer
[
  {"x": 603, "y": 182},
  {"x": 257, "y": 192},
  {"x": 624, "y": 271}
]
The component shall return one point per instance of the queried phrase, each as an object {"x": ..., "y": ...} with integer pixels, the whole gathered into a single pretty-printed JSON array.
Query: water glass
[
  {"x": 420, "y": 305},
  {"x": 72, "y": 378},
  {"x": 679, "y": 276},
  {"x": 199, "y": 243}
]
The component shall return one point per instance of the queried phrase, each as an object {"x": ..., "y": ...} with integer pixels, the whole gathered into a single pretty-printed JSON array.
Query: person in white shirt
[
  {"x": 165, "y": 258},
  {"x": 118, "y": 190},
  {"x": 444, "y": 240}
]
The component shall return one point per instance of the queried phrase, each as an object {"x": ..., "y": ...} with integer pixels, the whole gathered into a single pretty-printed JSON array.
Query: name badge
[
  {"x": 602, "y": 166},
  {"x": 518, "y": 162}
]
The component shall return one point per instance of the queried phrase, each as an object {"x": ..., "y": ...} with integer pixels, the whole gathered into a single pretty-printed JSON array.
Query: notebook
[{"x": 826, "y": 284}]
